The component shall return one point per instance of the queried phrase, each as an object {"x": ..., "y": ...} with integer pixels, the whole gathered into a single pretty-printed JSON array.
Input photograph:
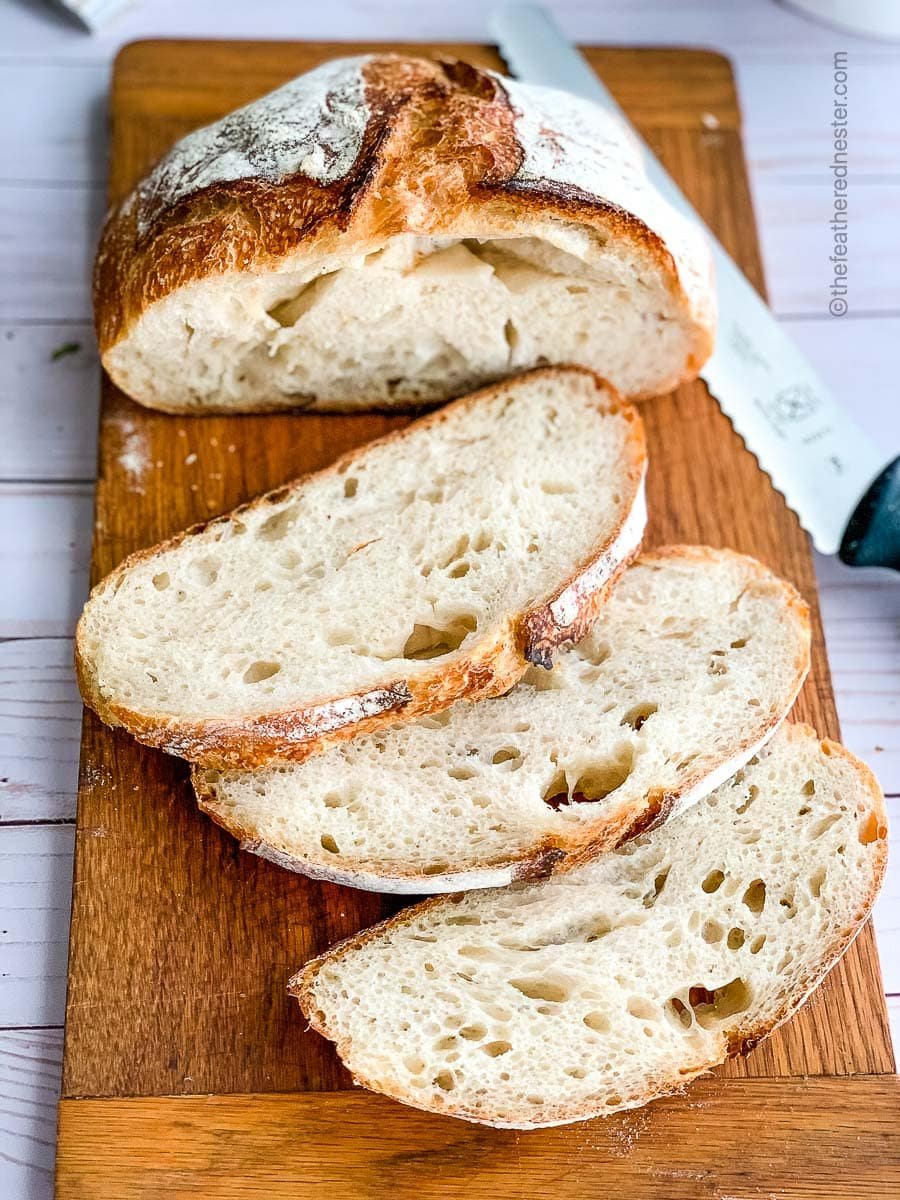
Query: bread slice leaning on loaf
[
  {"x": 432, "y": 565},
  {"x": 691, "y": 665},
  {"x": 602, "y": 989},
  {"x": 392, "y": 231}
]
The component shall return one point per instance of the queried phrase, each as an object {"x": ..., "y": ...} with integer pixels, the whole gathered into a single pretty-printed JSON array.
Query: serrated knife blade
[{"x": 830, "y": 473}]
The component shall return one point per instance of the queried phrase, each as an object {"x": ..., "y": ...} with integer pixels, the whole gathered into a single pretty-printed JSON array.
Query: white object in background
[
  {"x": 880, "y": 18},
  {"x": 93, "y": 13}
]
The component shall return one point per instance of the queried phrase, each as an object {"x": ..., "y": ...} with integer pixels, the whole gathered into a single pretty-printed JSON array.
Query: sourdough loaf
[
  {"x": 432, "y": 565},
  {"x": 390, "y": 231},
  {"x": 603, "y": 988},
  {"x": 691, "y": 665}
]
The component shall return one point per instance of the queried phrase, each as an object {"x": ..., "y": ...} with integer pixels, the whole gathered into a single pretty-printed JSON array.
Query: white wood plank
[
  {"x": 887, "y": 908},
  {"x": 48, "y": 419},
  {"x": 45, "y": 268},
  {"x": 35, "y": 903},
  {"x": 44, "y": 557},
  {"x": 796, "y": 241},
  {"x": 30, "y": 1074},
  {"x": 893, "y": 1007},
  {"x": 50, "y": 142},
  {"x": 40, "y": 729},
  {"x": 786, "y": 100}
]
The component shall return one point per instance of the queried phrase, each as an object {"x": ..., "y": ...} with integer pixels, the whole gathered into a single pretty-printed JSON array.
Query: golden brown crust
[
  {"x": 493, "y": 665},
  {"x": 439, "y": 152},
  {"x": 571, "y": 848},
  {"x": 739, "y": 1040}
]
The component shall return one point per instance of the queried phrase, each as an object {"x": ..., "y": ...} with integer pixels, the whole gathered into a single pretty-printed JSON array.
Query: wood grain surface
[
  {"x": 181, "y": 945},
  {"x": 795, "y": 1139}
]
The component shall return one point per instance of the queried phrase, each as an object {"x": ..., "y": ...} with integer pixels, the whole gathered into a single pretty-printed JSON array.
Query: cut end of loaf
[
  {"x": 478, "y": 207},
  {"x": 596, "y": 991}
]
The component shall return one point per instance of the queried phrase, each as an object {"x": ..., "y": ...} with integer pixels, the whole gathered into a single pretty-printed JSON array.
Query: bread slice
[
  {"x": 691, "y": 665},
  {"x": 388, "y": 230},
  {"x": 599, "y": 990},
  {"x": 434, "y": 564}
]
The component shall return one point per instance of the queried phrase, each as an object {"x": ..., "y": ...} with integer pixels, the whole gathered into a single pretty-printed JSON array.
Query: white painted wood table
[{"x": 53, "y": 82}]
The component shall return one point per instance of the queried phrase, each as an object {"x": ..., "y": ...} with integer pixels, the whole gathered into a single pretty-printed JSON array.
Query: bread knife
[{"x": 830, "y": 473}]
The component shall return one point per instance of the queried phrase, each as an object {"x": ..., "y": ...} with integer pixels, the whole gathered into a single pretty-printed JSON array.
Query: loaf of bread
[
  {"x": 433, "y": 565},
  {"x": 397, "y": 231},
  {"x": 601, "y": 989},
  {"x": 693, "y": 662}
]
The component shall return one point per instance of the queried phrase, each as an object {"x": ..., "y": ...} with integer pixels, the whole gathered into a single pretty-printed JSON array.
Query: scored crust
[
  {"x": 742, "y": 1038},
  {"x": 490, "y": 668},
  {"x": 445, "y": 148},
  {"x": 569, "y": 848}
]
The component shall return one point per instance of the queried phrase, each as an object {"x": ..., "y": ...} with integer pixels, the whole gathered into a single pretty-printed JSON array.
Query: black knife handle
[{"x": 872, "y": 536}]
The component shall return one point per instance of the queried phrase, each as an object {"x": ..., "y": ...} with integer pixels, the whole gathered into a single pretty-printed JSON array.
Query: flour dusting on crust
[
  {"x": 313, "y": 125},
  {"x": 574, "y": 144}
]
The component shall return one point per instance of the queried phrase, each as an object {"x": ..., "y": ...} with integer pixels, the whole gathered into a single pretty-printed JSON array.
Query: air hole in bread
[
  {"x": 735, "y": 938},
  {"x": 713, "y": 881},
  {"x": 635, "y": 717},
  {"x": 161, "y": 581},
  {"x": 276, "y": 527},
  {"x": 473, "y": 1033},
  {"x": 258, "y": 671},
  {"x": 445, "y": 1081},
  {"x": 351, "y": 487},
  {"x": 557, "y": 487},
  {"x": 543, "y": 680},
  {"x": 757, "y": 944},
  {"x": 870, "y": 830},
  {"x": 429, "y": 641},
  {"x": 460, "y": 570},
  {"x": 788, "y": 903},
  {"x": 755, "y": 896},
  {"x": 553, "y": 991},
  {"x": 712, "y": 932},
  {"x": 642, "y": 1008},
  {"x": 809, "y": 788},
  {"x": 496, "y": 1049},
  {"x": 712, "y": 1007},
  {"x": 594, "y": 651},
  {"x": 414, "y": 1064},
  {"x": 462, "y": 773},
  {"x": 508, "y": 757},
  {"x": 598, "y": 1021},
  {"x": 204, "y": 571},
  {"x": 824, "y": 824},
  {"x": 594, "y": 782},
  {"x": 437, "y": 868},
  {"x": 678, "y": 1013},
  {"x": 752, "y": 793},
  {"x": 328, "y": 843},
  {"x": 716, "y": 667},
  {"x": 656, "y": 891},
  {"x": 464, "y": 919},
  {"x": 335, "y": 800}
]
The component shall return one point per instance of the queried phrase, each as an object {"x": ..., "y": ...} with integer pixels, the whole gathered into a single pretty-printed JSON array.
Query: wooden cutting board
[{"x": 187, "y": 1071}]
